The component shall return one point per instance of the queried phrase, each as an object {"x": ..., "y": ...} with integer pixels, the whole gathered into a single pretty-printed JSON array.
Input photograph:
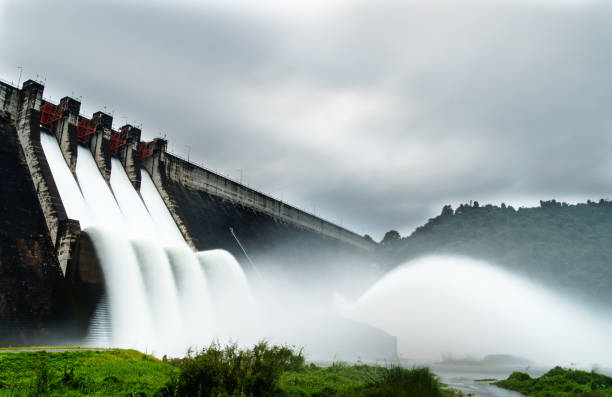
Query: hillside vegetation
[{"x": 562, "y": 245}]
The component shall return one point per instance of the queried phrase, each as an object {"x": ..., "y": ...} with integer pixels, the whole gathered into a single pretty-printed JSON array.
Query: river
[{"x": 463, "y": 378}]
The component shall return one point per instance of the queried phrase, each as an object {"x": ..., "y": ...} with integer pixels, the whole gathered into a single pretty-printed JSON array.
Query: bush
[
  {"x": 519, "y": 376},
  {"x": 230, "y": 371},
  {"x": 560, "y": 382},
  {"x": 402, "y": 382}
]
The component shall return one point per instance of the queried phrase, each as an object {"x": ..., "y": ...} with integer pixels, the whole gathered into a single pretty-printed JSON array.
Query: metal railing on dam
[{"x": 197, "y": 177}]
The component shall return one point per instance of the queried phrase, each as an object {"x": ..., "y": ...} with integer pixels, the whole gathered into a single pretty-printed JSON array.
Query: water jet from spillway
[
  {"x": 129, "y": 308},
  {"x": 69, "y": 190},
  {"x": 440, "y": 305},
  {"x": 196, "y": 307},
  {"x": 99, "y": 198},
  {"x": 138, "y": 219},
  {"x": 162, "y": 295},
  {"x": 167, "y": 230},
  {"x": 235, "y": 311}
]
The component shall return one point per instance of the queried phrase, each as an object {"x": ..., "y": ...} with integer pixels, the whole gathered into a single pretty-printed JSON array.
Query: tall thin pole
[
  {"x": 20, "y": 72},
  {"x": 245, "y": 254}
]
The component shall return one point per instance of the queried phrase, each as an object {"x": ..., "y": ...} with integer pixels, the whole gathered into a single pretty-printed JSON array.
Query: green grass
[
  {"x": 560, "y": 382},
  {"x": 216, "y": 371},
  {"x": 75, "y": 373},
  {"x": 341, "y": 380},
  {"x": 336, "y": 380}
]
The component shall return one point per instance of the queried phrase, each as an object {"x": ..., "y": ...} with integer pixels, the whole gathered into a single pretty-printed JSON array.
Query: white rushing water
[
  {"x": 69, "y": 191},
  {"x": 137, "y": 216},
  {"x": 157, "y": 294},
  {"x": 197, "y": 314},
  {"x": 129, "y": 309},
  {"x": 100, "y": 333},
  {"x": 235, "y": 309},
  {"x": 98, "y": 196},
  {"x": 162, "y": 295},
  {"x": 169, "y": 233},
  {"x": 463, "y": 307}
]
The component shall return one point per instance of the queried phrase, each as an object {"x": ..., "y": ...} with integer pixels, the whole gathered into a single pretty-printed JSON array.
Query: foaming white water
[
  {"x": 441, "y": 305},
  {"x": 233, "y": 303},
  {"x": 167, "y": 229},
  {"x": 100, "y": 333},
  {"x": 69, "y": 190},
  {"x": 198, "y": 316},
  {"x": 96, "y": 192},
  {"x": 131, "y": 325},
  {"x": 133, "y": 209},
  {"x": 162, "y": 296}
]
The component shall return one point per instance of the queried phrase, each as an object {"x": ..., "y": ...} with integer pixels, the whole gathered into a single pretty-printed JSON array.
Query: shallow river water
[{"x": 463, "y": 378}]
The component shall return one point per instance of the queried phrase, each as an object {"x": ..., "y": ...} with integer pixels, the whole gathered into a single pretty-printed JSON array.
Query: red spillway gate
[
  {"x": 118, "y": 139},
  {"x": 86, "y": 128},
  {"x": 49, "y": 114},
  {"x": 146, "y": 150}
]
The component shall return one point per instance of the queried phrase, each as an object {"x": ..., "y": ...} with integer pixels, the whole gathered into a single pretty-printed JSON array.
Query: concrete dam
[{"x": 108, "y": 240}]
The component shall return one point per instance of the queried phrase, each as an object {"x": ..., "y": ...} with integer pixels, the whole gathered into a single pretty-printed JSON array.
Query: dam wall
[
  {"x": 166, "y": 168},
  {"x": 204, "y": 204},
  {"x": 29, "y": 111},
  {"x": 47, "y": 264}
]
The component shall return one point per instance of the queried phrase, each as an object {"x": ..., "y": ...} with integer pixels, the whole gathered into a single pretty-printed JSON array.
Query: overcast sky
[{"x": 372, "y": 114}]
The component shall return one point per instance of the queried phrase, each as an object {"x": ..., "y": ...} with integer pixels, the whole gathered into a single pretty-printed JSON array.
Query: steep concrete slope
[{"x": 31, "y": 282}]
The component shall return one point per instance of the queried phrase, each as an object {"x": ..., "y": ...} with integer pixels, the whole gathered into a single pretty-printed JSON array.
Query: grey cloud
[{"x": 375, "y": 114}]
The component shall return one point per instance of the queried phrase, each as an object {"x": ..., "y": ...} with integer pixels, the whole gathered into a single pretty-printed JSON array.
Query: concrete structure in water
[{"x": 204, "y": 204}]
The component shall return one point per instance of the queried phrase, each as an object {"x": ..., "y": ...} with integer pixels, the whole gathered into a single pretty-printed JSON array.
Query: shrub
[
  {"x": 560, "y": 382},
  {"x": 397, "y": 381},
  {"x": 230, "y": 371}
]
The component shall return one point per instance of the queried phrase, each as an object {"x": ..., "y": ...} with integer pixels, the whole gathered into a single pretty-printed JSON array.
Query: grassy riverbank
[
  {"x": 75, "y": 373},
  {"x": 216, "y": 371},
  {"x": 560, "y": 382}
]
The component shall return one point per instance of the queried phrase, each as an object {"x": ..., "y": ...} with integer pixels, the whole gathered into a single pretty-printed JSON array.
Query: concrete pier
[
  {"x": 99, "y": 143},
  {"x": 23, "y": 108},
  {"x": 9, "y": 97},
  {"x": 128, "y": 154},
  {"x": 28, "y": 131},
  {"x": 154, "y": 165},
  {"x": 65, "y": 130},
  {"x": 68, "y": 233}
]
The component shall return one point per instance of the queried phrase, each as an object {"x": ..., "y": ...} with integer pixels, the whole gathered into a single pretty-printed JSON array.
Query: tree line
[{"x": 567, "y": 246}]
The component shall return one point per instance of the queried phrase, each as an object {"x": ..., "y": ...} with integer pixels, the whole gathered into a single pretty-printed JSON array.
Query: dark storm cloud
[{"x": 371, "y": 115}]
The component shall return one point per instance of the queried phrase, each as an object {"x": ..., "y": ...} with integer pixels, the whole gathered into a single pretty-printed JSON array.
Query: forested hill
[{"x": 566, "y": 246}]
